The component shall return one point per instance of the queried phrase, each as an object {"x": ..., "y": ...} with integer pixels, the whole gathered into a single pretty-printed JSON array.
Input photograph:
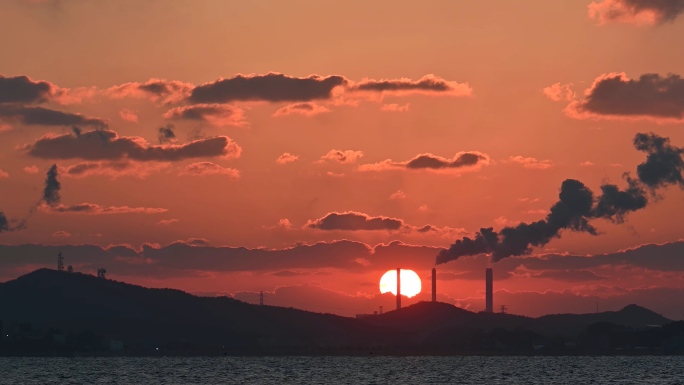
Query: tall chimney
[
  {"x": 434, "y": 285},
  {"x": 398, "y": 289},
  {"x": 489, "y": 296}
]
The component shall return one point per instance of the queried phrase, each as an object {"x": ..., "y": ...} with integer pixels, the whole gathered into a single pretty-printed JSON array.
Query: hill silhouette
[{"x": 144, "y": 318}]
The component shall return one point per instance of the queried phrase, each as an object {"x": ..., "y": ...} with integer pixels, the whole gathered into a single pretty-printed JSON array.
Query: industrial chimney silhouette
[
  {"x": 398, "y": 288},
  {"x": 434, "y": 285},
  {"x": 489, "y": 295}
]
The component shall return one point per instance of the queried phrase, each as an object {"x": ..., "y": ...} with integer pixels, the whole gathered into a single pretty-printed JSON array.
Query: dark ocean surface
[{"x": 345, "y": 370}]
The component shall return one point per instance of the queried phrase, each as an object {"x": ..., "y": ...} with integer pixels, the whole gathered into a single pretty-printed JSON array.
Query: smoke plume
[
  {"x": 52, "y": 187},
  {"x": 4, "y": 223},
  {"x": 50, "y": 197},
  {"x": 166, "y": 134},
  {"x": 577, "y": 206}
]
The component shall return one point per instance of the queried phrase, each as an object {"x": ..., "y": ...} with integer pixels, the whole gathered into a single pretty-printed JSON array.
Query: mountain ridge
[{"x": 75, "y": 302}]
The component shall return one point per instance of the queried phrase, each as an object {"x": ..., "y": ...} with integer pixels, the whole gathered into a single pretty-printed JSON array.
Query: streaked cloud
[
  {"x": 394, "y": 107},
  {"x": 108, "y": 145},
  {"x": 95, "y": 209},
  {"x": 128, "y": 115},
  {"x": 530, "y": 162},
  {"x": 209, "y": 168},
  {"x": 286, "y": 157},
  {"x": 306, "y": 109},
  {"x": 41, "y": 116},
  {"x": 112, "y": 169},
  {"x": 427, "y": 85},
  {"x": 214, "y": 114}
]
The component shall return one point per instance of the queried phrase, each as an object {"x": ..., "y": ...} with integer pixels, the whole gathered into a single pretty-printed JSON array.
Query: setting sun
[{"x": 410, "y": 283}]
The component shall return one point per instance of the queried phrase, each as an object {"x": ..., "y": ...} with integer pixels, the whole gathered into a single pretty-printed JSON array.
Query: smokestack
[
  {"x": 398, "y": 289},
  {"x": 434, "y": 285},
  {"x": 489, "y": 295}
]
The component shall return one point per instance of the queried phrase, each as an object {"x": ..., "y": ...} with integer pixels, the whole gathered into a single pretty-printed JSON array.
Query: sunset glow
[{"x": 410, "y": 283}]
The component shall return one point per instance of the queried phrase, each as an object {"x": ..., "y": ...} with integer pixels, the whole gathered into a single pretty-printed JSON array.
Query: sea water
[{"x": 345, "y": 370}]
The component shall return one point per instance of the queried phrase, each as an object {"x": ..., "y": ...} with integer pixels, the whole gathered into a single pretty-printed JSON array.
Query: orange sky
[{"x": 512, "y": 98}]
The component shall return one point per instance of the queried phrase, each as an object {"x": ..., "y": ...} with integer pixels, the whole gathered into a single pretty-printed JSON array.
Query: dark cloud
[
  {"x": 446, "y": 276},
  {"x": 427, "y": 84},
  {"x": 95, "y": 209},
  {"x": 353, "y": 221},
  {"x": 40, "y": 116},
  {"x": 577, "y": 206},
  {"x": 614, "y": 95},
  {"x": 665, "y": 257},
  {"x": 21, "y": 89},
  {"x": 569, "y": 275},
  {"x": 461, "y": 161},
  {"x": 272, "y": 87},
  {"x": 180, "y": 258},
  {"x": 113, "y": 169},
  {"x": 431, "y": 161},
  {"x": 215, "y": 114},
  {"x": 166, "y": 134},
  {"x": 107, "y": 145},
  {"x": 637, "y": 11},
  {"x": 288, "y": 273}
]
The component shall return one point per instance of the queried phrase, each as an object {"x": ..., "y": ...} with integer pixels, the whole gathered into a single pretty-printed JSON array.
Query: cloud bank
[{"x": 644, "y": 12}]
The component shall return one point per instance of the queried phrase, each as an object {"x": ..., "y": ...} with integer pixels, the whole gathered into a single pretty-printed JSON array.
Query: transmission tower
[
  {"x": 60, "y": 261},
  {"x": 261, "y": 298}
]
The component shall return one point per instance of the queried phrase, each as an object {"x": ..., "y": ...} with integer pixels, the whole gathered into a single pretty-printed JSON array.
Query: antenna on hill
[
  {"x": 380, "y": 309},
  {"x": 503, "y": 309},
  {"x": 261, "y": 298},
  {"x": 60, "y": 262},
  {"x": 596, "y": 307}
]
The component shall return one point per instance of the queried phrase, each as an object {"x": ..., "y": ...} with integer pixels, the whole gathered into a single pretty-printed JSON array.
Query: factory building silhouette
[{"x": 489, "y": 289}]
